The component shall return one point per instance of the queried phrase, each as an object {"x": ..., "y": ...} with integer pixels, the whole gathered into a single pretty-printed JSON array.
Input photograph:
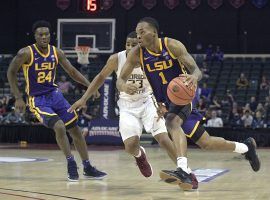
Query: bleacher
[{"x": 223, "y": 76}]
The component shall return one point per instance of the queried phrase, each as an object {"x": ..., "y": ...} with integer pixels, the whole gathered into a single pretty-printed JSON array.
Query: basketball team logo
[
  {"x": 171, "y": 4},
  {"x": 127, "y": 4},
  {"x": 193, "y": 3},
  {"x": 215, "y": 3},
  {"x": 63, "y": 4},
  {"x": 106, "y": 4},
  {"x": 237, "y": 3},
  {"x": 149, "y": 4},
  {"x": 259, "y": 3}
]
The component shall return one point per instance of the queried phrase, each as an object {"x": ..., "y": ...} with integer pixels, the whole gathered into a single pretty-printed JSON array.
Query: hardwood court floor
[{"x": 47, "y": 180}]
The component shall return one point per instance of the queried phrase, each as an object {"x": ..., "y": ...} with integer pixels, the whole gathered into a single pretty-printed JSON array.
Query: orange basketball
[{"x": 179, "y": 93}]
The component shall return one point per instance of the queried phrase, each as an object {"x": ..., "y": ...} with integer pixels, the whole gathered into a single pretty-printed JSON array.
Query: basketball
[{"x": 179, "y": 93}]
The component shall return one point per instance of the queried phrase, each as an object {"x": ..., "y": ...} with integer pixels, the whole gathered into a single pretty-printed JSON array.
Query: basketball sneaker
[
  {"x": 72, "y": 168},
  {"x": 195, "y": 183},
  {"x": 178, "y": 177},
  {"x": 91, "y": 172},
  {"x": 144, "y": 166},
  {"x": 251, "y": 154}
]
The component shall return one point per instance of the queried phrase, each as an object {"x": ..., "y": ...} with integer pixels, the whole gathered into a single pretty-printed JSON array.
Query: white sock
[
  {"x": 182, "y": 163},
  {"x": 189, "y": 170},
  {"x": 240, "y": 148},
  {"x": 139, "y": 155}
]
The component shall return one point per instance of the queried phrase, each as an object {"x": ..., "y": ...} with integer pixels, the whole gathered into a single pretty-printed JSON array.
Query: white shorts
[{"x": 138, "y": 114}]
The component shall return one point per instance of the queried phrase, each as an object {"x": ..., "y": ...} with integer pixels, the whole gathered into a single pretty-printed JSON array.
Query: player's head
[
  {"x": 131, "y": 41},
  {"x": 41, "y": 30},
  {"x": 147, "y": 31}
]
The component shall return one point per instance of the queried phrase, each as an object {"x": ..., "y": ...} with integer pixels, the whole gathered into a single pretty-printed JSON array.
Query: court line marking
[
  {"x": 28, "y": 197},
  {"x": 48, "y": 194}
]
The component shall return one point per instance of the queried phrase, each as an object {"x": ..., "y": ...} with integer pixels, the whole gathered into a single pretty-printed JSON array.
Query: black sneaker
[
  {"x": 178, "y": 177},
  {"x": 91, "y": 172},
  {"x": 72, "y": 168},
  {"x": 251, "y": 154}
]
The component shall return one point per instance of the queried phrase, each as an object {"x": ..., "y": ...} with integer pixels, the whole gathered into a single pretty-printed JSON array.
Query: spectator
[
  {"x": 209, "y": 53},
  {"x": 235, "y": 118},
  {"x": 267, "y": 104},
  {"x": 242, "y": 82},
  {"x": 215, "y": 103},
  {"x": 261, "y": 109},
  {"x": 205, "y": 92},
  {"x": 228, "y": 100},
  {"x": 253, "y": 104},
  {"x": 247, "y": 119},
  {"x": 2, "y": 109},
  {"x": 214, "y": 121},
  {"x": 202, "y": 106},
  {"x": 64, "y": 85},
  {"x": 84, "y": 120},
  {"x": 264, "y": 84},
  {"x": 218, "y": 54},
  {"x": 205, "y": 71},
  {"x": 259, "y": 121},
  {"x": 14, "y": 117}
]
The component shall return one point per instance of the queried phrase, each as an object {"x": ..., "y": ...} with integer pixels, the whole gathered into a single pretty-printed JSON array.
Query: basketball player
[
  {"x": 160, "y": 68},
  {"x": 39, "y": 62},
  {"x": 136, "y": 110}
]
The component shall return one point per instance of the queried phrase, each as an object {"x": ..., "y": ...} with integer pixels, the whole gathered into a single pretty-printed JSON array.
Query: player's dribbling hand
[
  {"x": 130, "y": 89},
  {"x": 20, "y": 105},
  {"x": 161, "y": 110},
  {"x": 191, "y": 80},
  {"x": 78, "y": 105}
]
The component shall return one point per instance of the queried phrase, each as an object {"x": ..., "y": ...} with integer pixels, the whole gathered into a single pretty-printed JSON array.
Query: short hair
[
  {"x": 132, "y": 34},
  {"x": 41, "y": 23},
  {"x": 151, "y": 21}
]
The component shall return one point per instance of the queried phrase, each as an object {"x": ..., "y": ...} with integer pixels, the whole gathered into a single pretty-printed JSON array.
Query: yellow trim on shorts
[
  {"x": 160, "y": 47},
  {"x": 72, "y": 120},
  {"x": 33, "y": 110},
  {"x": 194, "y": 130},
  {"x": 39, "y": 111},
  {"x": 166, "y": 45}
]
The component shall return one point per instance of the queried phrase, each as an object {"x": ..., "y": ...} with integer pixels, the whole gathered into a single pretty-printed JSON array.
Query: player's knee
[{"x": 59, "y": 128}]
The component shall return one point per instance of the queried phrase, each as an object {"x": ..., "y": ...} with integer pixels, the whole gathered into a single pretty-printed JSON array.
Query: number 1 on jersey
[{"x": 164, "y": 81}]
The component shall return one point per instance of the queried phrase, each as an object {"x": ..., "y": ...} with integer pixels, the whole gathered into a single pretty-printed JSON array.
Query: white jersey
[{"x": 137, "y": 77}]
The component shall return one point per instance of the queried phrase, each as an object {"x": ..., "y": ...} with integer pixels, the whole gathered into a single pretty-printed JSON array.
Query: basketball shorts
[
  {"x": 193, "y": 127},
  {"x": 182, "y": 111},
  {"x": 51, "y": 107},
  {"x": 138, "y": 114}
]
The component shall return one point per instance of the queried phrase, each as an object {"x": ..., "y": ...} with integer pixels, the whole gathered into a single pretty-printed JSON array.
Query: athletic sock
[
  {"x": 182, "y": 163},
  {"x": 240, "y": 147}
]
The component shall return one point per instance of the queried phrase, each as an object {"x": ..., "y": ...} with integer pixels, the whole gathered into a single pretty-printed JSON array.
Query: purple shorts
[{"x": 52, "y": 105}]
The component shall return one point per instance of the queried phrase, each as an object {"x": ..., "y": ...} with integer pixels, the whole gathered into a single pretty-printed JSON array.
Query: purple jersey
[
  {"x": 40, "y": 72},
  {"x": 160, "y": 69}
]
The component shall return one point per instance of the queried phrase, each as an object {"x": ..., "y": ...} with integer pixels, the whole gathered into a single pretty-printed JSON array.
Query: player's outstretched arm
[
  {"x": 71, "y": 70},
  {"x": 180, "y": 52},
  {"x": 133, "y": 60},
  {"x": 107, "y": 70},
  {"x": 23, "y": 57}
]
